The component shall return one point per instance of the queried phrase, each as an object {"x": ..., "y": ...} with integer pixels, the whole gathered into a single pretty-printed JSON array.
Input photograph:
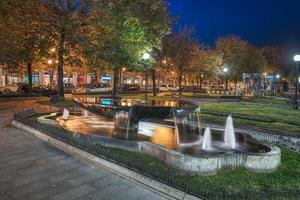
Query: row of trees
[
  {"x": 112, "y": 34},
  {"x": 98, "y": 33},
  {"x": 194, "y": 61}
]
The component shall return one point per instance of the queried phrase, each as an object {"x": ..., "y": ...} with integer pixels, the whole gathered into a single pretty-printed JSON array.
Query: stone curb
[{"x": 156, "y": 186}]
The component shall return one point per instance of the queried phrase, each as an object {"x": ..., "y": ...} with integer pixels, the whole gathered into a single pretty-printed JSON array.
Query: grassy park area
[{"x": 284, "y": 119}]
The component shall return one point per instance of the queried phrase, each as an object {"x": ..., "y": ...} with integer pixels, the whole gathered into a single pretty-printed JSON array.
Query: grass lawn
[
  {"x": 235, "y": 180},
  {"x": 270, "y": 100},
  {"x": 283, "y": 119},
  {"x": 287, "y": 176}
]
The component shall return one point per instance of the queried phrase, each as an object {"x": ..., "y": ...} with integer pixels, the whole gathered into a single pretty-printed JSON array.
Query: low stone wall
[
  {"x": 264, "y": 162},
  {"x": 45, "y": 119},
  {"x": 258, "y": 162}
]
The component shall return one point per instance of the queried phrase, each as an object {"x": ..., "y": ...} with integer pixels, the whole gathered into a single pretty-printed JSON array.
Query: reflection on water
[
  {"x": 123, "y": 102},
  {"x": 162, "y": 133},
  {"x": 89, "y": 123},
  {"x": 164, "y": 136}
]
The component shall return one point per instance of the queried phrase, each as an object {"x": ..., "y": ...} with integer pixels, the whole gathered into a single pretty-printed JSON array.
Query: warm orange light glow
[{"x": 50, "y": 62}]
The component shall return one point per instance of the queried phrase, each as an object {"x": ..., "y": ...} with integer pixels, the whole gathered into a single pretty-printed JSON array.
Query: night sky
[{"x": 262, "y": 22}]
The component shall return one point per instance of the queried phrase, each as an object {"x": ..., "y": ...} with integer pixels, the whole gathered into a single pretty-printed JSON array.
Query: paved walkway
[{"x": 32, "y": 169}]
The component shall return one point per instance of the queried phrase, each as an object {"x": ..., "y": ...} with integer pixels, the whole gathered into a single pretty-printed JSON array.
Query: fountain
[
  {"x": 66, "y": 114},
  {"x": 229, "y": 135},
  {"x": 175, "y": 135},
  {"x": 207, "y": 141}
]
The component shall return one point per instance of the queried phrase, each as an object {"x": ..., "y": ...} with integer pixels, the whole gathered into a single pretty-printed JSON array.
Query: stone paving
[{"x": 32, "y": 169}]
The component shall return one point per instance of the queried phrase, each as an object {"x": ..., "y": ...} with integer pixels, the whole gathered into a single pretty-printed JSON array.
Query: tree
[
  {"x": 205, "y": 65},
  {"x": 181, "y": 49},
  {"x": 25, "y": 38},
  {"x": 68, "y": 18},
  {"x": 128, "y": 28},
  {"x": 240, "y": 56}
]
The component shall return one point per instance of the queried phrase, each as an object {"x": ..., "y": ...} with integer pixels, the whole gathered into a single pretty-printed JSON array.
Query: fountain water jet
[
  {"x": 128, "y": 124},
  {"x": 66, "y": 114},
  {"x": 176, "y": 128},
  {"x": 229, "y": 136},
  {"x": 207, "y": 141},
  {"x": 199, "y": 120}
]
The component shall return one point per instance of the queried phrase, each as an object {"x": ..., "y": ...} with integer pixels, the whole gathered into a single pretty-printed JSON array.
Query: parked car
[
  {"x": 44, "y": 90},
  {"x": 168, "y": 88},
  {"x": 130, "y": 87},
  {"x": 12, "y": 88},
  {"x": 98, "y": 87}
]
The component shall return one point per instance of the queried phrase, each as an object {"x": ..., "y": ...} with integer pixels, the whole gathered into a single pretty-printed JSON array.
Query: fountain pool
[{"x": 173, "y": 134}]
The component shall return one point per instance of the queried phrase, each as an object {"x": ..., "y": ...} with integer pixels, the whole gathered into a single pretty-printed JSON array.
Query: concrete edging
[{"x": 154, "y": 185}]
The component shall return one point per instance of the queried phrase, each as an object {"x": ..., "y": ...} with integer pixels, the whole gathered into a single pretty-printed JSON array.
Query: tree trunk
[
  {"x": 180, "y": 82},
  {"x": 5, "y": 78},
  {"x": 153, "y": 81},
  {"x": 201, "y": 81},
  {"x": 29, "y": 74},
  {"x": 115, "y": 82},
  {"x": 235, "y": 85},
  {"x": 60, "y": 67},
  {"x": 96, "y": 77}
]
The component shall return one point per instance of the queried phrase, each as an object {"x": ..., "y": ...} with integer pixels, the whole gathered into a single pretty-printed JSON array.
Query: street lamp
[
  {"x": 276, "y": 84},
  {"x": 50, "y": 62},
  {"x": 225, "y": 76},
  {"x": 297, "y": 60},
  {"x": 145, "y": 58}
]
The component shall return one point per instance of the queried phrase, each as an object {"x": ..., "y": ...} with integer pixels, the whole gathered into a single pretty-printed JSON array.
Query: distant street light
[
  {"x": 53, "y": 50},
  {"x": 50, "y": 62},
  {"x": 225, "y": 76},
  {"x": 276, "y": 83},
  {"x": 297, "y": 60},
  {"x": 145, "y": 59}
]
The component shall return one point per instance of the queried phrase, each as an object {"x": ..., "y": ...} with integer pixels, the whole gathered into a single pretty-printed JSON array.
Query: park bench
[{"x": 230, "y": 98}]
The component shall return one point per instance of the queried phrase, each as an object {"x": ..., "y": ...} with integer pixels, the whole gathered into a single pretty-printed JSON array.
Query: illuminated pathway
[{"x": 32, "y": 169}]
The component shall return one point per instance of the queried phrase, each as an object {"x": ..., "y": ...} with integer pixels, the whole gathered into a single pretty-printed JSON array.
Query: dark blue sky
[{"x": 261, "y": 22}]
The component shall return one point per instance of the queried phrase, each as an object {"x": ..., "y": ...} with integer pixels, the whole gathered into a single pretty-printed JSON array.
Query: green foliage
[
  {"x": 240, "y": 56},
  {"x": 127, "y": 30},
  {"x": 24, "y": 35},
  {"x": 274, "y": 116}
]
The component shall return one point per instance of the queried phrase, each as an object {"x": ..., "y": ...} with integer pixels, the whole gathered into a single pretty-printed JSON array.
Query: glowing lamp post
[
  {"x": 297, "y": 60},
  {"x": 145, "y": 58},
  {"x": 225, "y": 70}
]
